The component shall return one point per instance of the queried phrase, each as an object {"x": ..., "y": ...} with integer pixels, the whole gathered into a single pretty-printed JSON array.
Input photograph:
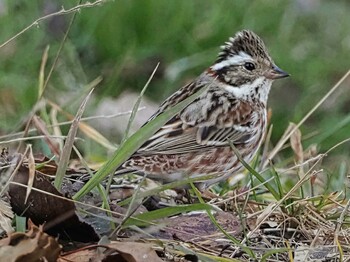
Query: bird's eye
[{"x": 249, "y": 66}]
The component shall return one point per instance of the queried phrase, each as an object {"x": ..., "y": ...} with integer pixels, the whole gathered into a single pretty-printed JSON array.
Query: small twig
[
  {"x": 83, "y": 119},
  {"x": 20, "y": 139},
  {"x": 61, "y": 12},
  {"x": 299, "y": 165},
  {"x": 59, "y": 52}
]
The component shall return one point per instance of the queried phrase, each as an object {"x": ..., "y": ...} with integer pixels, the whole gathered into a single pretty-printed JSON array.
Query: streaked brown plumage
[{"x": 195, "y": 141}]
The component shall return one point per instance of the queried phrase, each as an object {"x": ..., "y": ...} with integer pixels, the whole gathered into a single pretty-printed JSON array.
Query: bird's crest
[{"x": 244, "y": 41}]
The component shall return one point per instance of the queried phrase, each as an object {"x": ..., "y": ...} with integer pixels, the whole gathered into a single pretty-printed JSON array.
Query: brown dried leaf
[
  {"x": 115, "y": 251},
  {"x": 135, "y": 252},
  {"x": 295, "y": 142},
  {"x": 35, "y": 245},
  {"x": 41, "y": 128},
  {"x": 6, "y": 216},
  {"x": 47, "y": 205},
  {"x": 31, "y": 173}
]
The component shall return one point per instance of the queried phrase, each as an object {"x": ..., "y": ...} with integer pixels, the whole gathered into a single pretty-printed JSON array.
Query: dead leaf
[
  {"x": 295, "y": 142},
  {"x": 31, "y": 173},
  {"x": 42, "y": 129},
  {"x": 35, "y": 245},
  {"x": 135, "y": 252},
  {"x": 46, "y": 205},
  {"x": 6, "y": 216},
  {"x": 115, "y": 251}
]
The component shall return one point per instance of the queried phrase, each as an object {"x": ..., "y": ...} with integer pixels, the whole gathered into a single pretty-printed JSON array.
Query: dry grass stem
[{"x": 63, "y": 11}]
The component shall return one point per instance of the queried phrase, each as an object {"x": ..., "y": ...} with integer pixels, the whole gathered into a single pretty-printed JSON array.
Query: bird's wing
[
  {"x": 180, "y": 95},
  {"x": 192, "y": 131}
]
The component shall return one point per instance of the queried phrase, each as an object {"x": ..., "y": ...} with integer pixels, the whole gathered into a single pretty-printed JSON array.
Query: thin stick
[
  {"x": 59, "y": 52},
  {"x": 61, "y": 12}
]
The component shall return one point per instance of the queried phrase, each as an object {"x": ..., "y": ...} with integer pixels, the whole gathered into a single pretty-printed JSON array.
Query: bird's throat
[{"x": 258, "y": 89}]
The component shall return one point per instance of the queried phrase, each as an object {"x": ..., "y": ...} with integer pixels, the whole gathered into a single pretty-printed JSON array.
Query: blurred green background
[{"x": 122, "y": 41}]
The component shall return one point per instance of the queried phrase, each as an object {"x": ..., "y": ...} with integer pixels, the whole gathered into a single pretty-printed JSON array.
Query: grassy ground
[{"x": 122, "y": 41}]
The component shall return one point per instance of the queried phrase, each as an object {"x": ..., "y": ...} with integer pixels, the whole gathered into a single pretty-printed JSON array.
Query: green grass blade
[
  {"x": 254, "y": 173},
  {"x": 132, "y": 117},
  {"x": 144, "y": 219},
  {"x": 137, "y": 104},
  {"x": 278, "y": 181},
  {"x": 68, "y": 145},
  {"x": 21, "y": 223}
]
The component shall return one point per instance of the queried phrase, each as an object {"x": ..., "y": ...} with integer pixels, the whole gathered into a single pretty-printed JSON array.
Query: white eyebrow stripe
[{"x": 234, "y": 60}]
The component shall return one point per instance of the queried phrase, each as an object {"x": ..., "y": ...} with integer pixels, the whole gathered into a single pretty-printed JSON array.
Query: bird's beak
[{"x": 276, "y": 73}]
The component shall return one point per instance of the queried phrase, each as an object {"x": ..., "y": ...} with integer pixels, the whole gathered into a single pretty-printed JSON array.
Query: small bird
[{"x": 195, "y": 142}]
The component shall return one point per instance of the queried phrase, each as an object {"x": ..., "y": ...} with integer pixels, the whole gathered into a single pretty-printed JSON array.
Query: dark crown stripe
[{"x": 244, "y": 41}]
